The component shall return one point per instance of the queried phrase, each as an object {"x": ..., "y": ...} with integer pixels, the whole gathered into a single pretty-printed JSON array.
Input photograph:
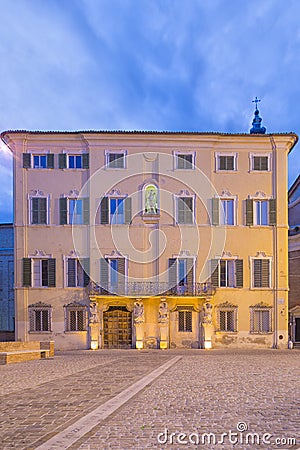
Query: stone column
[
  {"x": 139, "y": 323},
  {"x": 94, "y": 325},
  {"x": 163, "y": 322},
  {"x": 208, "y": 325}
]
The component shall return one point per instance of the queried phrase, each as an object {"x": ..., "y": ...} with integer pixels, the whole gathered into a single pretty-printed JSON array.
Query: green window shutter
[
  {"x": 256, "y": 163},
  {"x": 51, "y": 272},
  {"x": 172, "y": 272},
  {"x": 104, "y": 267},
  {"x": 86, "y": 211},
  {"x": 42, "y": 210},
  {"x": 62, "y": 160},
  {"x": 239, "y": 273},
  {"x": 85, "y": 160},
  {"x": 26, "y": 272},
  {"x": 180, "y": 210},
  {"x": 215, "y": 211},
  {"x": 128, "y": 208},
  {"x": 85, "y": 262},
  {"x": 35, "y": 210},
  {"x": 190, "y": 271},
  {"x": 188, "y": 210},
  {"x": 63, "y": 211},
  {"x": 26, "y": 160},
  {"x": 104, "y": 211},
  {"x": 272, "y": 211},
  {"x": 265, "y": 273},
  {"x": 257, "y": 269},
  {"x": 71, "y": 275},
  {"x": 215, "y": 272},
  {"x": 50, "y": 161},
  {"x": 249, "y": 211},
  {"x": 222, "y": 163}
]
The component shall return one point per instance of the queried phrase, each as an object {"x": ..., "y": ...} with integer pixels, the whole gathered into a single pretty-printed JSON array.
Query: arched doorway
[{"x": 117, "y": 327}]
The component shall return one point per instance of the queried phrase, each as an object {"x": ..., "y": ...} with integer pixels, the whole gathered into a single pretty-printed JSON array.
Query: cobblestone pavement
[{"x": 205, "y": 392}]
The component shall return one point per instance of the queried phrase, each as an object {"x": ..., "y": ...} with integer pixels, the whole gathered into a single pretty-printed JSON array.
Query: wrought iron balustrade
[{"x": 149, "y": 288}]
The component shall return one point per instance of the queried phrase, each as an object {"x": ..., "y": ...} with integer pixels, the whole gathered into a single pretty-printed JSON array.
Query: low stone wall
[{"x": 11, "y": 352}]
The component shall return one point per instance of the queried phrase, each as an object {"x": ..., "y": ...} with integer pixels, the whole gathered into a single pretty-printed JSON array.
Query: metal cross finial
[{"x": 256, "y": 101}]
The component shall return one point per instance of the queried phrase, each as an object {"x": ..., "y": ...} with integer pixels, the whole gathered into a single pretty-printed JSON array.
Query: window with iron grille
[
  {"x": 76, "y": 317},
  {"x": 261, "y": 275},
  {"x": 227, "y": 319},
  {"x": 260, "y": 319},
  {"x": 40, "y": 317},
  {"x": 185, "y": 321}
]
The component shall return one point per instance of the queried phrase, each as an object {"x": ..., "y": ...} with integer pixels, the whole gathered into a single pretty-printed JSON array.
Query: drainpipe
[{"x": 275, "y": 241}]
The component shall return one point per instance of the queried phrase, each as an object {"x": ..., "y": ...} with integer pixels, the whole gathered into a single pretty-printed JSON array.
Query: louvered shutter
[
  {"x": 50, "y": 161},
  {"x": 272, "y": 211},
  {"x": 71, "y": 272},
  {"x": 128, "y": 208},
  {"x": 180, "y": 162},
  {"x": 86, "y": 211},
  {"x": 51, "y": 272},
  {"x": 63, "y": 211},
  {"x": 215, "y": 211},
  {"x": 42, "y": 210},
  {"x": 180, "y": 210},
  {"x": 256, "y": 163},
  {"x": 85, "y": 263},
  {"x": 121, "y": 276},
  {"x": 215, "y": 272},
  {"x": 26, "y": 160},
  {"x": 104, "y": 267},
  {"x": 85, "y": 160},
  {"x": 190, "y": 274},
  {"x": 35, "y": 210},
  {"x": 239, "y": 273},
  {"x": 26, "y": 272},
  {"x": 222, "y": 162},
  {"x": 104, "y": 211},
  {"x": 249, "y": 211},
  {"x": 172, "y": 272},
  {"x": 188, "y": 210},
  {"x": 62, "y": 160},
  {"x": 265, "y": 273}
]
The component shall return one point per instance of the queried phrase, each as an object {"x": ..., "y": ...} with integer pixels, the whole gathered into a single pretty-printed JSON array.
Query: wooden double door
[{"x": 117, "y": 322}]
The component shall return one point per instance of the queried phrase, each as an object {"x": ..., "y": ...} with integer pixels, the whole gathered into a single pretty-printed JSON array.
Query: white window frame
[
  {"x": 116, "y": 197},
  {"x": 39, "y": 154},
  {"x": 255, "y": 216},
  {"x": 75, "y": 155},
  {"x": 38, "y": 194},
  {"x": 115, "y": 152},
  {"x": 232, "y": 260},
  {"x": 188, "y": 153},
  {"x": 76, "y": 199},
  {"x": 251, "y": 162},
  {"x": 117, "y": 256},
  {"x": 184, "y": 194},
  {"x": 217, "y": 161},
  {"x": 222, "y": 216},
  {"x": 252, "y": 259}
]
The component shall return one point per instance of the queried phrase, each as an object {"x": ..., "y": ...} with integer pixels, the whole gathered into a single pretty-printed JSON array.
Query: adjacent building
[
  {"x": 294, "y": 261},
  {"x": 151, "y": 239},
  {"x": 7, "y": 309}
]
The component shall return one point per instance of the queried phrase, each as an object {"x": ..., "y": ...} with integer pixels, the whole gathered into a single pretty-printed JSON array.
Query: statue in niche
[
  {"x": 94, "y": 313},
  {"x": 207, "y": 318},
  {"x": 163, "y": 313},
  {"x": 138, "y": 312},
  {"x": 151, "y": 205}
]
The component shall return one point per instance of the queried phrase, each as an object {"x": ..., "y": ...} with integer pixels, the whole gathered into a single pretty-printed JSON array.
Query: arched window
[{"x": 150, "y": 199}]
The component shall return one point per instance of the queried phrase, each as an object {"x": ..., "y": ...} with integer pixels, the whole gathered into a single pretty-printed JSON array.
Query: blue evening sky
[{"x": 148, "y": 65}]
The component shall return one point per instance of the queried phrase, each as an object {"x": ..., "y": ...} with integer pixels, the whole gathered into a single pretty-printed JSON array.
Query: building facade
[
  {"x": 7, "y": 308},
  {"x": 294, "y": 261},
  {"x": 151, "y": 239}
]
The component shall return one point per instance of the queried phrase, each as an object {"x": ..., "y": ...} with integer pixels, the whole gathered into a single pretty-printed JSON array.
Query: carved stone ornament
[
  {"x": 138, "y": 312},
  {"x": 207, "y": 318},
  {"x": 36, "y": 193},
  {"x": 163, "y": 313},
  {"x": 94, "y": 318}
]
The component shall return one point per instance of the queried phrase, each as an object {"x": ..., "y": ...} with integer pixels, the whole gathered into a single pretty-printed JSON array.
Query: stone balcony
[{"x": 150, "y": 289}]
